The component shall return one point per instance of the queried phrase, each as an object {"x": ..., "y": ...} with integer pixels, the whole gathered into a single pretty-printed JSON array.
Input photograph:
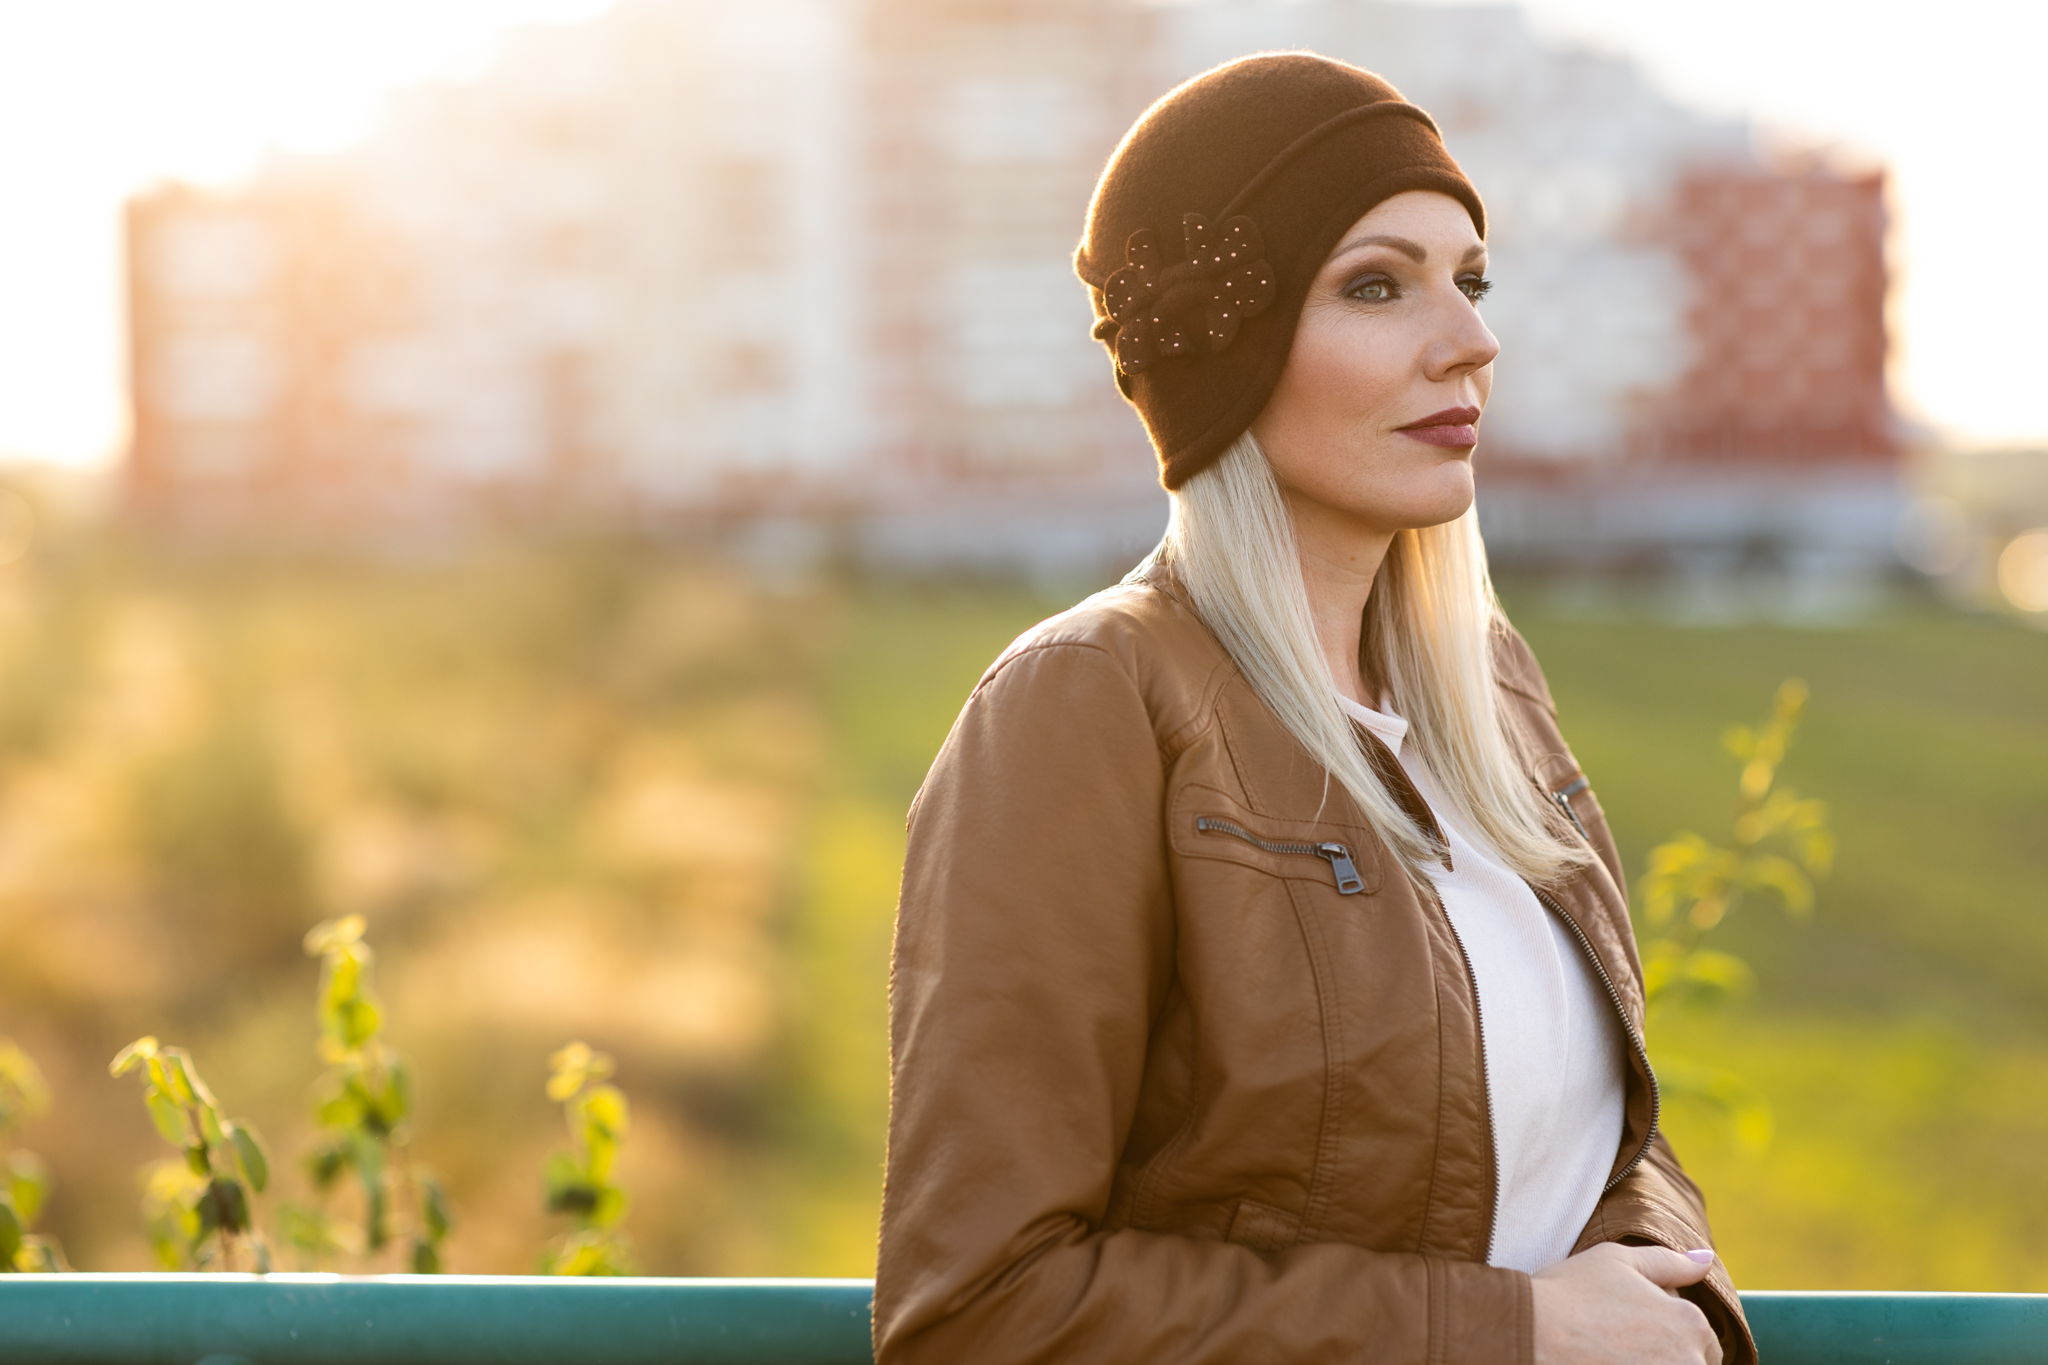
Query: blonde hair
[{"x": 1427, "y": 639}]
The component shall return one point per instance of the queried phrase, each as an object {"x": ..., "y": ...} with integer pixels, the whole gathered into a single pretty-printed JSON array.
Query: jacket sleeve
[
  {"x": 1659, "y": 1204},
  {"x": 1034, "y": 945}
]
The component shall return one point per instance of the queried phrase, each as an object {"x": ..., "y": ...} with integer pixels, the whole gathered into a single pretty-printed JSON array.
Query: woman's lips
[{"x": 1451, "y": 427}]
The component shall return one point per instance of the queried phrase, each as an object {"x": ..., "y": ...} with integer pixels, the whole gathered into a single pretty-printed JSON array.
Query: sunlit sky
[{"x": 99, "y": 98}]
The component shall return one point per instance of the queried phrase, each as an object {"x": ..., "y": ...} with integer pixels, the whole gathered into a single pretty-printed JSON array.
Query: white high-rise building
[{"x": 712, "y": 256}]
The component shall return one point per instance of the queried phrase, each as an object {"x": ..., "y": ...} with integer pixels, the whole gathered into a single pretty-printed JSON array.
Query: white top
[{"x": 1554, "y": 1047}]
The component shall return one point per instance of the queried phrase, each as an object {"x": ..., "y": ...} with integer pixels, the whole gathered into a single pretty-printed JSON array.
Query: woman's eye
[
  {"x": 1475, "y": 288},
  {"x": 1375, "y": 291}
]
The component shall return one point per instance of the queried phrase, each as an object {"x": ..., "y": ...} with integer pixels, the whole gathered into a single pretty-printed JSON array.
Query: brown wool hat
[{"x": 1212, "y": 218}]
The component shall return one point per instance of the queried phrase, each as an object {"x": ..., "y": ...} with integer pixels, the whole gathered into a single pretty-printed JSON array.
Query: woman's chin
[{"x": 1448, "y": 498}]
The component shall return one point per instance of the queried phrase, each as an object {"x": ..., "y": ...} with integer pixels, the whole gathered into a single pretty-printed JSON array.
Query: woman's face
[{"x": 1374, "y": 419}]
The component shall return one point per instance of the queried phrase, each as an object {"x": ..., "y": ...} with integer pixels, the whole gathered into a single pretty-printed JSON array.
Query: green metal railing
[{"x": 471, "y": 1320}]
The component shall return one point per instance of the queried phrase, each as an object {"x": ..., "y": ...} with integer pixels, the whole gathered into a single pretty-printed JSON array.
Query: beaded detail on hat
[{"x": 1158, "y": 311}]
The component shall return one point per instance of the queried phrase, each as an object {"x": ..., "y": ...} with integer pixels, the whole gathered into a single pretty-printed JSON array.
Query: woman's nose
[{"x": 1465, "y": 343}]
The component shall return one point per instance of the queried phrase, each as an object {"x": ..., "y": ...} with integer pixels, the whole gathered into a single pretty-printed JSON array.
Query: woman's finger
[{"x": 1671, "y": 1269}]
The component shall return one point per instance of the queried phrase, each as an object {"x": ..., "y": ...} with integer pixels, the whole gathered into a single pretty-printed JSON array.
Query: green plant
[
  {"x": 363, "y": 1101},
  {"x": 579, "y": 1182},
  {"x": 197, "y": 1206},
  {"x": 1779, "y": 844},
  {"x": 24, "y": 1180}
]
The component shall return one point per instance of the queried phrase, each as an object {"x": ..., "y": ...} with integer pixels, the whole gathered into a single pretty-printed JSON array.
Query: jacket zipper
[
  {"x": 1336, "y": 855},
  {"x": 1635, "y": 1039},
  {"x": 1485, "y": 1085},
  {"x": 1563, "y": 796}
]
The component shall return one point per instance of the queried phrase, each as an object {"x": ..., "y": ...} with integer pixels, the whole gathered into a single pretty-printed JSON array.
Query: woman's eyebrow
[{"x": 1414, "y": 251}]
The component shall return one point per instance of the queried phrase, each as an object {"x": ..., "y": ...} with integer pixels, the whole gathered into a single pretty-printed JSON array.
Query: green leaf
[
  {"x": 1790, "y": 701},
  {"x": 426, "y": 1257},
  {"x": 611, "y": 1207},
  {"x": 1782, "y": 876},
  {"x": 250, "y": 1158},
  {"x": 1722, "y": 971},
  {"x": 324, "y": 1165},
  {"x": 28, "y": 1185},
  {"x": 573, "y": 1067},
  {"x": 434, "y": 1213},
  {"x": 196, "y": 1160},
  {"x": 397, "y": 1091},
  {"x": 23, "y": 1091},
  {"x": 317, "y": 1235},
  {"x": 344, "y": 980},
  {"x": 579, "y": 1257},
  {"x": 1817, "y": 851},
  {"x": 367, "y": 1155},
  {"x": 599, "y": 1151},
  {"x": 129, "y": 1057},
  {"x": 233, "y": 1202},
  {"x": 176, "y": 1076},
  {"x": 1739, "y": 741},
  {"x": 562, "y": 1171},
  {"x": 376, "y": 1225},
  {"x": 10, "y": 1234},
  {"x": 40, "y": 1256},
  {"x": 357, "y": 1022},
  {"x": 341, "y": 1109},
  {"x": 208, "y": 1210},
  {"x": 590, "y": 1252},
  {"x": 578, "y": 1198},
  {"x": 330, "y": 935},
  {"x": 605, "y": 1107},
  {"x": 168, "y": 1116}
]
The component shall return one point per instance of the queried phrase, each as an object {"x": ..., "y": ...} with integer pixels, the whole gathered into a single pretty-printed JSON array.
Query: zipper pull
[
  {"x": 1348, "y": 881},
  {"x": 1563, "y": 796}
]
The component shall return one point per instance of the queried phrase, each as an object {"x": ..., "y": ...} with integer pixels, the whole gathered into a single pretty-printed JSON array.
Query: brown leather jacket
[{"x": 1164, "y": 1095}]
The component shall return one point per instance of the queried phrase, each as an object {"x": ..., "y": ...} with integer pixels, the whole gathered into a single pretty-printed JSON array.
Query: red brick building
[{"x": 1787, "y": 319}]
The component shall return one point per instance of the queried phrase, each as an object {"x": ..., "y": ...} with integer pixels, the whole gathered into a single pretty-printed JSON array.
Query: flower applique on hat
[{"x": 1193, "y": 307}]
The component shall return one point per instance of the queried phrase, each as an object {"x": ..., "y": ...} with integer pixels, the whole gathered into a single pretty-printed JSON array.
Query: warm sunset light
[
  {"x": 995, "y": 680},
  {"x": 100, "y": 98}
]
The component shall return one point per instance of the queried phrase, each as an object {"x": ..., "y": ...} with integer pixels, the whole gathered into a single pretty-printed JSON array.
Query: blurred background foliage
[{"x": 641, "y": 797}]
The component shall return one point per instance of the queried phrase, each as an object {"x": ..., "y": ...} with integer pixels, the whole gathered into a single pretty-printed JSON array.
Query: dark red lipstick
[{"x": 1451, "y": 427}]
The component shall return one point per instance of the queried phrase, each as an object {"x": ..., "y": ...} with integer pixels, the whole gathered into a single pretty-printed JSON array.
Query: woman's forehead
[{"x": 1421, "y": 224}]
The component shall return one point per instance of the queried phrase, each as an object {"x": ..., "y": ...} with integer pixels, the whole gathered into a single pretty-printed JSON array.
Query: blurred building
[{"x": 808, "y": 258}]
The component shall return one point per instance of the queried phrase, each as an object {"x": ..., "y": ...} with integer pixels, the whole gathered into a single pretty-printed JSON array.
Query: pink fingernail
[{"x": 1701, "y": 1256}]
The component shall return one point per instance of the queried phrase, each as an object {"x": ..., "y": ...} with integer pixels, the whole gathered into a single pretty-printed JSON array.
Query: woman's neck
[{"x": 1339, "y": 561}]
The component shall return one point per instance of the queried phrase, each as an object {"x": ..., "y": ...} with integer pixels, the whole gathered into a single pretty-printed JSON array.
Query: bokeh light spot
[{"x": 2023, "y": 571}]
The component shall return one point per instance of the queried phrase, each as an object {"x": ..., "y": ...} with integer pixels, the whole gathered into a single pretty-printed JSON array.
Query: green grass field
[
  {"x": 1902, "y": 1033},
  {"x": 634, "y": 798}
]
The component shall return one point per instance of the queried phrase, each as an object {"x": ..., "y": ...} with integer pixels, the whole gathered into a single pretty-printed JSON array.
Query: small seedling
[
  {"x": 579, "y": 1182},
  {"x": 24, "y": 1180},
  {"x": 197, "y": 1206},
  {"x": 1779, "y": 846},
  {"x": 363, "y": 1102}
]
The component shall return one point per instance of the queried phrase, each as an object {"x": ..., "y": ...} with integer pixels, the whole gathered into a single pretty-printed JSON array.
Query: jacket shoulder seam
[{"x": 1041, "y": 647}]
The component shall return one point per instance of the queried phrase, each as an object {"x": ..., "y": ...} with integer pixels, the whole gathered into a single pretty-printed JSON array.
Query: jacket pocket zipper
[
  {"x": 1563, "y": 796},
  {"x": 1336, "y": 855}
]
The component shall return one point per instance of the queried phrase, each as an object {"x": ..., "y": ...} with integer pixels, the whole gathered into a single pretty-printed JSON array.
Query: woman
[{"x": 1264, "y": 986}]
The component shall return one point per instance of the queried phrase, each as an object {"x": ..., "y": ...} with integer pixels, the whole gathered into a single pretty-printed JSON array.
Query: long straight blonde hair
[{"x": 1427, "y": 640}]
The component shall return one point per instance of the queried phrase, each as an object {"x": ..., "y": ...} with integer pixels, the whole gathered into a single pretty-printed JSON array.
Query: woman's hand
[{"x": 1618, "y": 1305}]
